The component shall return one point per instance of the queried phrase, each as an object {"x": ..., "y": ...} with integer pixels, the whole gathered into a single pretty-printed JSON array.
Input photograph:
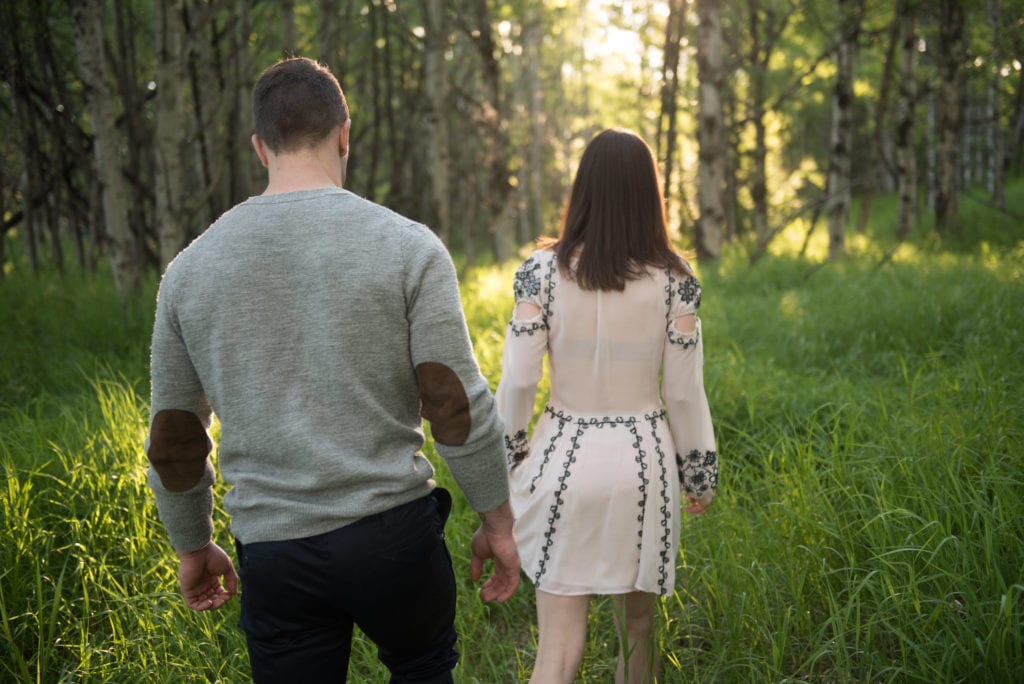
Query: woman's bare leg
[
  {"x": 634, "y": 622},
  {"x": 562, "y": 622}
]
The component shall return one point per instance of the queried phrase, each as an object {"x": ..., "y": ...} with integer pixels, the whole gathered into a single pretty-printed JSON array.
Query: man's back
[{"x": 299, "y": 313}]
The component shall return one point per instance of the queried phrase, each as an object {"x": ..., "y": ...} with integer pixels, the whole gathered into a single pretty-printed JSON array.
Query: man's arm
[
  {"x": 180, "y": 474},
  {"x": 458, "y": 402}
]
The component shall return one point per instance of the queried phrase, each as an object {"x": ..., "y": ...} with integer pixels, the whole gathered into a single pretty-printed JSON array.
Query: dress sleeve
[
  {"x": 683, "y": 392},
  {"x": 522, "y": 359}
]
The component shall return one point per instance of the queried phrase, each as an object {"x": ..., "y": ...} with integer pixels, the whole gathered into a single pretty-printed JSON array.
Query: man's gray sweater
[{"x": 319, "y": 327}]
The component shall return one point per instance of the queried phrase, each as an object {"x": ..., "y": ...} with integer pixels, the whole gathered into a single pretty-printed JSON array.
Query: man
[{"x": 320, "y": 327}]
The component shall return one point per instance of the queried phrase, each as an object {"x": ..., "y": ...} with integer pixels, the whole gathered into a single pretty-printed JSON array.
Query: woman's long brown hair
[{"x": 614, "y": 224}]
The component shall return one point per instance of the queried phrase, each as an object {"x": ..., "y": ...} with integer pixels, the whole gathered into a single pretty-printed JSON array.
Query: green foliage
[{"x": 869, "y": 421}]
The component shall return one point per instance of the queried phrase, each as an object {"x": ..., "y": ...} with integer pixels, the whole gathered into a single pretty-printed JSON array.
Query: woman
[{"x": 596, "y": 489}]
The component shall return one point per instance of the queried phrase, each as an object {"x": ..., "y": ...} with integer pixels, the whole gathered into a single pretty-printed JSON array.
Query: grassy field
[{"x": 869, "y": 527}]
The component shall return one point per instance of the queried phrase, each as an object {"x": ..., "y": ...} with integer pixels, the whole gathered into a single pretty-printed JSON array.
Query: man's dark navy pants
[{"x": 389, "y": 573}]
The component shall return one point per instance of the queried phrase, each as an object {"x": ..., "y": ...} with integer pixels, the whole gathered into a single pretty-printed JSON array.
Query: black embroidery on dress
[
  {"x": 666, "y": 511},
  {"x": 549, "y": 535},
  {"x": 562, "y": 420},
  {"x": 516, "y": 448},
  {"x": 698, "y": 471},
  {"x": 527, "y": 282},
  {"x": 689, "y": 291},
  {"x": 530, "y": 328},
  {"x": 642, "y": 475},
  {"x": 550, "y": 299},
  {"x": 685, "y": 340}
]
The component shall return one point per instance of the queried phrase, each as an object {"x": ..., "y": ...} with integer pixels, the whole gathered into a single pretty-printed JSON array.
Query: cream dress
[{"x": 596, "y": 488}]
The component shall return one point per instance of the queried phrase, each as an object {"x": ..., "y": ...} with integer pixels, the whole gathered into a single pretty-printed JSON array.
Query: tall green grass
[{"x": 869, "y": 526}]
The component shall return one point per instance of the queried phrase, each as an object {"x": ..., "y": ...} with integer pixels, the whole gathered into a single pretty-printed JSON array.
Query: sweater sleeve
[
  {"x": 454, "y": 395},
  {"x": 683, "y": 392},
  {"x": 178, "y": 445}
]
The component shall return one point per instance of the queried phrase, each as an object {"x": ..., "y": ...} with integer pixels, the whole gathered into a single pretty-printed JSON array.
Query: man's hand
[
  {"x": 493, "y": 539},
  {"x": 700, "y": 506},
  {"x": 200, "y": 573}
]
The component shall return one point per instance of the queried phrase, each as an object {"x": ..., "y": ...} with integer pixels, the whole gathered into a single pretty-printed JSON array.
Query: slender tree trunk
[
  {"x": 245, "y": 173},
  {"x": 878, "y": 165},
  {"x": 538, "y": 119},
  {"x": 906, "y": 168},
  {"x": 327, "y": 35},
  {"x": 172, "y": 215},
  {"x": 435, "y": 43},
  {"x": 1012, "y": 143},
  {"x": 711, "y": 131},
  {"x": 840, "y": 180},
  {"x": 500, "y": 199},
  {"x": 993, "y": 114},
  {"x": 949, "y": 114},
  {"x": 667, "y": 121},
  {"x": 289, "y": 42},
  {"x": 88, "y": 16}
]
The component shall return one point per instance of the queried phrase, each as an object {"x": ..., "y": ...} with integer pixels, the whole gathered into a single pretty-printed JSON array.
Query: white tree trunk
[
  {"x": 839, "y": 182},
  {"x": 711, "y": 132},
  {"x": 124, "y": 262}
]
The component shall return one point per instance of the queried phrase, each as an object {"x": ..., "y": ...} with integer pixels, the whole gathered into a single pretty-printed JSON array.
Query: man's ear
[
  {"x": 261, "y": 150},
  {"x": 343, "y": 134}
]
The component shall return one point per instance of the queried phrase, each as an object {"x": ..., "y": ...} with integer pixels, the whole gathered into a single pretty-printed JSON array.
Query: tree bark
[
  {"x": 711, "y": 131},
  {"x": 841, "y": 138},
  {"x": 435, "y": 83},
  {"x": 88, "y": 19},
  {"x": 534, "y": 176},
  {"x": 906, "y": 167},
  {"x": 172, "y": 216},
  {"x": 667, "y": 121},
  {"x": 994, "y": 127},
  {"x": 949, "y": 114}
]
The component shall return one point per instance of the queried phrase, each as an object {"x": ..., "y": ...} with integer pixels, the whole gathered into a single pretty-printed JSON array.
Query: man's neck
[{"x": 303, "y": 171}]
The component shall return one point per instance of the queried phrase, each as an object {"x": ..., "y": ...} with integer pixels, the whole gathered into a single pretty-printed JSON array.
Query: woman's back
[{"x": 605, "y": 347}]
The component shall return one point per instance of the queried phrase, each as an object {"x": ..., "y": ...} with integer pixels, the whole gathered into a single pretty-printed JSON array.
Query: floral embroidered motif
[
  {"x": 516, "y": 448},
  {"x": 689, "y": 291},
  {"x": 527, "y": 282},
  {"x": 698, "y": 471},
  {"x": 530, "y": 328},
  {"x": 686, "y": 340}
]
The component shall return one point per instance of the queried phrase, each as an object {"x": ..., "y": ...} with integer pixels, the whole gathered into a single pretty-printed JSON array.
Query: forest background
[{"x": 847, "y": 173}]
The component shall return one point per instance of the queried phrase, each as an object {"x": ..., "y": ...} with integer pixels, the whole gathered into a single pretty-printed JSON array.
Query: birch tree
[
  {"x": 711, "y": 130},
  {"x": 89, "y": 41},
  {"x": 841, "y": 132}
]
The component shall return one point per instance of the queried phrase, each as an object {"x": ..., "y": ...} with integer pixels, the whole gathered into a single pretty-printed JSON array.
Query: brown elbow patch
[
  {"x": 178, "y": 447},
  {"x": 445, "y": 403}
]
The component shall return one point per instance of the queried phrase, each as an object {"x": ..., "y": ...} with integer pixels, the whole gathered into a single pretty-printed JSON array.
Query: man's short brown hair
[{"x": 297, "y": 103}]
